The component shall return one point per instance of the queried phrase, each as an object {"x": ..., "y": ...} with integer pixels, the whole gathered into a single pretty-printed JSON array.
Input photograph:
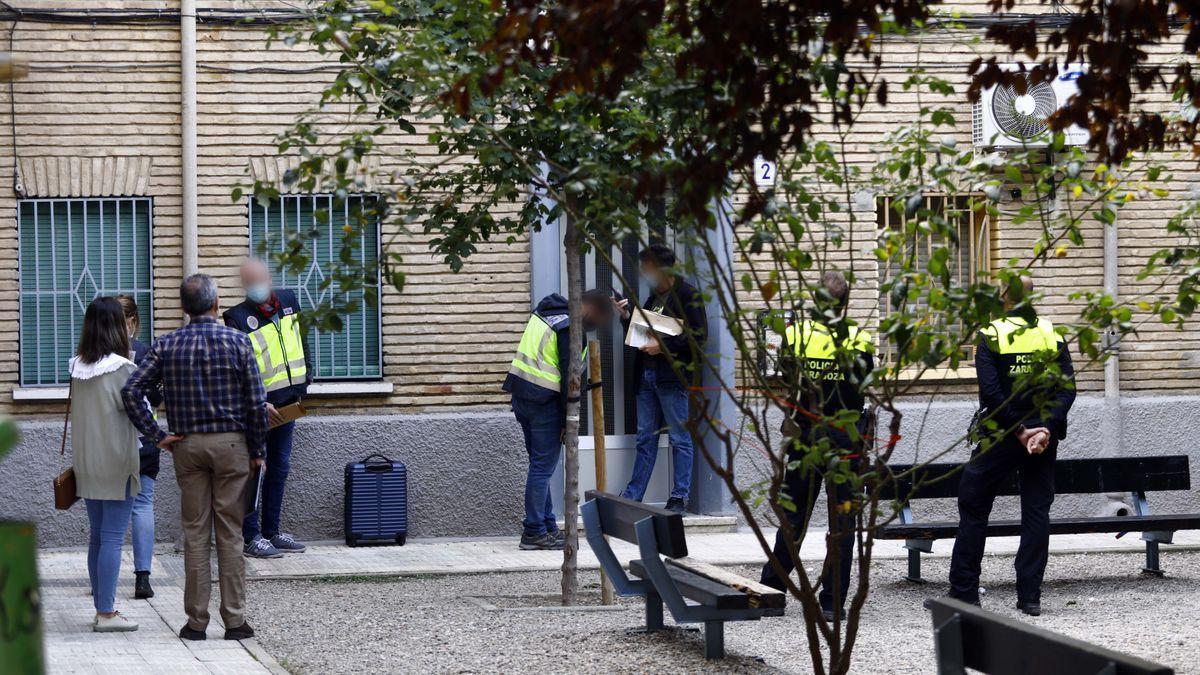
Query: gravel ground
[{"x": 426, "y": 624}]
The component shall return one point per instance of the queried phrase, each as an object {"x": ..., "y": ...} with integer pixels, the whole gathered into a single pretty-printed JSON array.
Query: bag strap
[{"x": 66, "y": 418}]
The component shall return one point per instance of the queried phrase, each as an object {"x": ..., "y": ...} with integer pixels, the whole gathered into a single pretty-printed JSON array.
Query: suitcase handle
[{"x": 381, "y": 466}]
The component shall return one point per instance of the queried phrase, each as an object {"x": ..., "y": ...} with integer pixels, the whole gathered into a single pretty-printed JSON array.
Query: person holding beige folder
[
  {"x": 271, "y": 318},
  {"x": 668, "y": 330}
]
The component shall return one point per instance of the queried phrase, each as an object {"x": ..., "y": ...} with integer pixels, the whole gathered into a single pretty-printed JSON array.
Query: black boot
[{"x": 141, "y": 586}]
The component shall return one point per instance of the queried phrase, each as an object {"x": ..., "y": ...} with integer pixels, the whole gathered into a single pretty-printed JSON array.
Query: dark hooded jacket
[{"x": 552, "y": 308}]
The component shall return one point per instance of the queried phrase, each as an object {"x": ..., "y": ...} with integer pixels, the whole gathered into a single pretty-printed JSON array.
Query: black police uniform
[
  {"x": 828, "y": 383},
  {"x": 1006, "y": 349}
]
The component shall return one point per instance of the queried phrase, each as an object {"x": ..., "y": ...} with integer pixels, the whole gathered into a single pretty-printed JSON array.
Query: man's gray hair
[
  {"x": 198, "y": 294},
  {"x": 837, "y": 287}
]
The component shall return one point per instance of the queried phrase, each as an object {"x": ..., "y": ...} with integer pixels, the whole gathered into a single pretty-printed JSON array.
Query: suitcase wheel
[
  {"x": 400, "y": 539},
  {"x": 352, "y": 541}
]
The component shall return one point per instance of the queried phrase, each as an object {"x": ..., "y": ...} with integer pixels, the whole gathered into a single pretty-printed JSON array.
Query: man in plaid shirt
[{"x": 217, "y": 411}]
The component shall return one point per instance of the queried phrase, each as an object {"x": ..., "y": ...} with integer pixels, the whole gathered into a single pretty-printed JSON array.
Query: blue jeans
[
  {"x": 659, "y": 404},
  {"x": 279, "y": 464},
  {"x": 542, "y": 426},
  {"x": 143, "y": 525},
  {"x": 108, "y": 520}
]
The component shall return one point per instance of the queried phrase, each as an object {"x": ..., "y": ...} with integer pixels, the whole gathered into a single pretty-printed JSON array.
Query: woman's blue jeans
[
  {"x": 109, "y": 520},
  {"x": 661, "y": 404},
  {"x": 143, "y": 526}
]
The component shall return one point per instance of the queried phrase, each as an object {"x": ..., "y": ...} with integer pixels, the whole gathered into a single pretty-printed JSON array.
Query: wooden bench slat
[
  {"x": 698, "y": 588},
  {"x": 760, "y": 594},
  {"x": 1002, "y": 528},
  {"x": 618, "y": 516}
]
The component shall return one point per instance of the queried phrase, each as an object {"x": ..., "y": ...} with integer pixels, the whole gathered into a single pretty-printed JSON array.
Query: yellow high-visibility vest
[
  {"x": 279, "y": 351},
  {"x": 537, "y": 361},
  {"x": 1013, "y": 335},
  {"x": 814, "y": 341}
]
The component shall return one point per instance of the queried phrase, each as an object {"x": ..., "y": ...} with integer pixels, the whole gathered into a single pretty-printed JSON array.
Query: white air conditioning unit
[{"x": 1004, "y": 118}]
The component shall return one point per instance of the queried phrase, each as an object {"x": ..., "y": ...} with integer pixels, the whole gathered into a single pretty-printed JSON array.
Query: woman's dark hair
[
  {"x": 129, "y": 306},
  {"x": 104, "y": 331},
  {"x": 660, "y": 254}
]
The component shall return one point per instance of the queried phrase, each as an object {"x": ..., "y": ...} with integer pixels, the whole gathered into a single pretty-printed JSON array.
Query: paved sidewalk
[{"x": 72, "y": 647}]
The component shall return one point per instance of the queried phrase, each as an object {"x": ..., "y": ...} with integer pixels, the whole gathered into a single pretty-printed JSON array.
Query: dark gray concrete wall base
[
  {"x": 466, "y": 476},
  {"x": 1152, "y": 425}
]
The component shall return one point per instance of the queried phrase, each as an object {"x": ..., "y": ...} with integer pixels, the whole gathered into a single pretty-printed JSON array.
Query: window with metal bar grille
[
  {"x": 970, "y": 248},
  {"x": 354, "y": 352},
  {"x": 71, "y": 251}
]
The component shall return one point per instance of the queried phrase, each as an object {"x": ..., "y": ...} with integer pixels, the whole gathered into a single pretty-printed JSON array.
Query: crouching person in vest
[
  {"x": 537, "y": 381},
  {"x": 271, "y": 317}
]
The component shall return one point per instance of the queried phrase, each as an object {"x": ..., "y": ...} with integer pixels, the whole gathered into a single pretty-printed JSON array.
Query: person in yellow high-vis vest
[
  {"x": 1033, "y": 416},
  {"x": 826, "y": 370},
  {"x": 271, "y": 317},
  {"x": 537, "y": 380}
]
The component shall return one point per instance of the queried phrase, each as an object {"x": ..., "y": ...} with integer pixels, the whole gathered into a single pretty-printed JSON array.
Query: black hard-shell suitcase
[{"x": 376, "y": 501}]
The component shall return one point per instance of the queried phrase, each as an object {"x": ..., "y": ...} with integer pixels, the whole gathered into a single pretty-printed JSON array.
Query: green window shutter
[
  {"x": 71, "y": 251},
  {"x": 354, "y": 352}
]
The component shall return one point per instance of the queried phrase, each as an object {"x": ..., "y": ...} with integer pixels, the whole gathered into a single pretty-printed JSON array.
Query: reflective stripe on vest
[
  {"x": 816, "y": 342},
  {"x": 279, "y": 350},
  {"x": 536, "y": 361},
  {"x": 1012, "y": 335}
]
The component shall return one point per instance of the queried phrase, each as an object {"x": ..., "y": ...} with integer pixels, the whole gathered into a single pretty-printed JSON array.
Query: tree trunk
[{"x": 572, "y": 243}]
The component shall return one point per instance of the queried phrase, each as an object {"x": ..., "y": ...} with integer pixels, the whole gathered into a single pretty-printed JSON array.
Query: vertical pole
[
  {"x": 1111, "y": 425},
  {"x": 595, "y": 375},
  {"x": 187, "y": 63}
]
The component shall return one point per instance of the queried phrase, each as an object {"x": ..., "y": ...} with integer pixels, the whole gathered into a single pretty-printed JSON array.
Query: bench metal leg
[
  {"x": 914, "y": 567},
  {"x": 654, "y": 612},
  {"x": 1152, "y": 566},
  {"x": 948, "y": 643},
  {"x": 714, "y": 639}
]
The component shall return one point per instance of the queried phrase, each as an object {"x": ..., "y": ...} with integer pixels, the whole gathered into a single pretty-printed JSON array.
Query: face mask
[
  {"x": 258, "y": 293},
  {"x": 651, "y": 279}
]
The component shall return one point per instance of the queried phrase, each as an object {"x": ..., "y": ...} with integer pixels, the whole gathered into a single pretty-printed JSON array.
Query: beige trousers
[{"x": 212, "y": 470}]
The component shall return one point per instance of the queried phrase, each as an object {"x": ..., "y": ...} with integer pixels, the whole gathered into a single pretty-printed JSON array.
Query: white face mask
[
  {"x": 258, "y": 293},
  {"x": 652, "y": 279}
]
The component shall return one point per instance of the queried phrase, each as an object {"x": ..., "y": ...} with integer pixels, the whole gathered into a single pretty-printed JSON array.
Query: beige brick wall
[
  {"x": 98, "y": 91},
  {"x": 103, "y": 91}
]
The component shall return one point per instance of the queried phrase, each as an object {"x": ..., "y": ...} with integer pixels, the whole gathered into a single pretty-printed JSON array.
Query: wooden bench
[
  {"x": 966, "y": 636},
  {"x": 693, "y": 591},
  {"x": 1134, "y": 475}
]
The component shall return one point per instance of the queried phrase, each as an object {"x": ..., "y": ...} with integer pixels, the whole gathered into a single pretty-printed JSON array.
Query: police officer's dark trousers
[
  {"x": 804, "y": 489},
  {"x": 982, "y": 478}
]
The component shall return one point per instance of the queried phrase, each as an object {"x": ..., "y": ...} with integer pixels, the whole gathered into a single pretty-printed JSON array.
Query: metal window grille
[
  {"x": 971, "y": 254},
  {"x": 71, "y": 251},
  {"x": 355, "y": 351}
]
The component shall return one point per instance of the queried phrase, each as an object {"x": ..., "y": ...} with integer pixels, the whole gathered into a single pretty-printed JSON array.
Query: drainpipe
[
  {"x": 187, "y": 59},
  {"x": 1112, "y": 424}
]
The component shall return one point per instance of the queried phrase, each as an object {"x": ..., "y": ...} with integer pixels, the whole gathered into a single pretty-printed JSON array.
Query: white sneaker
[{"x": 117, "y": 623}]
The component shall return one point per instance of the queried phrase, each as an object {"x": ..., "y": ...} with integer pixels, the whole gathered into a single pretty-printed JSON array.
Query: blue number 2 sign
[{"x": 764, "y": 172}]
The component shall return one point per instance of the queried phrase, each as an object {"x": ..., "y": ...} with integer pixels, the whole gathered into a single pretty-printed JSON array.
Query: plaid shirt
[{"x": 210, "y": 383}]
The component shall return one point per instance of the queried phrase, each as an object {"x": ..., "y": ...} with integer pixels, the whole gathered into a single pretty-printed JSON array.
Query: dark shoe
[
  {"x": 285, "y": 543},
  {"x": 541, "y": 542},
  {"x": 189, "y": 633},
  {"x": 242, "y": 632},
  {"x": 141, "y": 586},
  {"x": 676, "y": 505},
  {"x": 1031, "y": 608},
  {"x": 260, "y": 548},
  {"x": 828, "y": 615},
  {"x": 560, "y": 535}
]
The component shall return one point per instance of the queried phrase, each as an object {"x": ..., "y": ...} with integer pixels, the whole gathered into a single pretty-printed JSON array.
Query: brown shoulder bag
[{"x": 66, "y": 492}]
